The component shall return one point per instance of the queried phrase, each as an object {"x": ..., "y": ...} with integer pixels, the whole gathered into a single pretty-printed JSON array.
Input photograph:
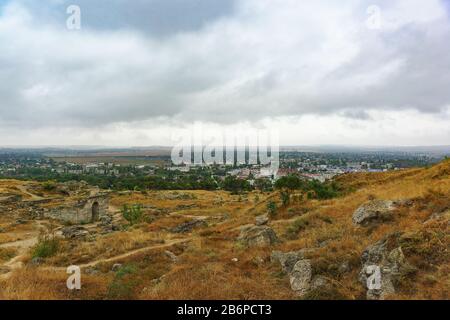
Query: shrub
[
  {"x": 285, "y": 198},
  {"x": 46, "y": 247},
  {"x": 314, "y": 189},
  {"x": 133, "y": 214},
  {"x": 122, "y": 287},
  {"x": 49, "y": 185},
  {"x": 298, "y": 225},
  {"x": 272, "y": 208}
]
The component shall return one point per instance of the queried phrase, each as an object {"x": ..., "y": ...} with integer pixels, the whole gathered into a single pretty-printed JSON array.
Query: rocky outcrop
[
  {"x": 383, "y": 267},
  {"x": 74, "y": 232},
  {"x": 373, "y": 212},
  {"x": 258, "y": 236},
  {"x": 107, "y": 224},
  {"x": 300, "y": 277},
  {"x": 171, "y": 256},
  {"x": 189, "y": 226},
  {"x": 10, "y": 198},
  {"x": 116, "y": 267},
  {"x": 262, "y": 220},
  {"x": 300, "y": 272},
  {"x": 287, "y": 260}
]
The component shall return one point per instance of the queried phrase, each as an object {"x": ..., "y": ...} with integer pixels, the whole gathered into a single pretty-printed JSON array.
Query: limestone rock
[
  {"x": 74, "y": 232},
  {"x": 301, "y": 276},
  {"x": 116, "y": 267},
  {"x": 189, "y": 226},
  {"x": 320, "y": 283},
  {"x": 344, "y": 267},
  {"x": 105, "y": 220},
  {"x": 37, "y": 261},
  {"x": 287, "y": 260},
  {"x": 262, "y": 220},
  {"x": 373, "y": 212},
  {"x": 438, "y": 216},
  {"x": 171, "y": 256},
  {"x": 258, "y": 236},
  {"x": 385, "y": 266}
]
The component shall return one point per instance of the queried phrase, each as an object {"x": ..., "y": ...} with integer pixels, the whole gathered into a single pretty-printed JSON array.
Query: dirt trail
[
  {"x": 189, "y": 216},
  {"x": 15, "y": 263},
  {"x": 22, "y": 246},
  {"x": 24, "y": 190},
  {"x": 134, "y": 252},
  {"x": 124, "y": 255}
]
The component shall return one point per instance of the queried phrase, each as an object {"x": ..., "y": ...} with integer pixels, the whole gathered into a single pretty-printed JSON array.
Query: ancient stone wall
[{"x": 86, "y": 210}]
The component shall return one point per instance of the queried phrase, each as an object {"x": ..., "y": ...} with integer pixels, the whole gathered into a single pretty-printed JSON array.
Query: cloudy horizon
[{"x": 373, "y": 73}]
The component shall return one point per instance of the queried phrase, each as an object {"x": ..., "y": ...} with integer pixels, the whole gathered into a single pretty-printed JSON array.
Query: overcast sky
[{"x": 319, "y": 72}]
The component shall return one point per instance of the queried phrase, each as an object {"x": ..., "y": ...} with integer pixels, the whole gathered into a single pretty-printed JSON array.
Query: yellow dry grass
[{"x": 213, "y": 265}]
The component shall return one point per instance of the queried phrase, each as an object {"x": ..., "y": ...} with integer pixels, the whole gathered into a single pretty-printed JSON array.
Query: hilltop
[{"x": 216, "y": 245}]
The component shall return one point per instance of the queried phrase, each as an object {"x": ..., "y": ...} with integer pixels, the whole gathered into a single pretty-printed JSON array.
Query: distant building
[
  {"x": 181, "y": 169},
  {"x": 286, "y": 172}
]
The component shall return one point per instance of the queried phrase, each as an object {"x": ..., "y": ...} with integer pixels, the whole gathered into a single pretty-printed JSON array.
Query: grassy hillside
[{"x": 211, "y": 264}]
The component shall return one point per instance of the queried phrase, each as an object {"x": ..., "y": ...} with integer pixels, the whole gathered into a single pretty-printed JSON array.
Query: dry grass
[
  {"x": 207, "y": 268},
  {"x": 80, "y": 252},
  {"x": 35, "y": 284}
]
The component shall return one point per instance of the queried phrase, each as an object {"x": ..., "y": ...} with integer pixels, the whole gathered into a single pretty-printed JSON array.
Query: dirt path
[
  {"x": 22, "y": 246},
  {"x": 168, "y": 244},
  {"x": 23, "y": 189},
  {"x": 189, "y": 216},
  {"x": 15, "y": 263}
]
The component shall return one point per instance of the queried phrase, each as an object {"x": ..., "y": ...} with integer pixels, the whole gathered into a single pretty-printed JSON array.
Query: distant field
[{"x": 123, "y": 160}]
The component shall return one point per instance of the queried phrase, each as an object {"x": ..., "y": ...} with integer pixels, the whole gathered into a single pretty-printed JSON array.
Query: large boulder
[
  {"x": 301, "y": 277},
  {"x": 287, "y": 259},
  {"x": 383, "y": 266},
  {"x": 300, "y": 271},
  {"x": 373, "y": 212},
  {"x": 258, "y": 236}
]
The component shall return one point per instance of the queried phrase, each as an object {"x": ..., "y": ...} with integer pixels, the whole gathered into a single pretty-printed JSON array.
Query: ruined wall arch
[{"x": 95, "y": 211}]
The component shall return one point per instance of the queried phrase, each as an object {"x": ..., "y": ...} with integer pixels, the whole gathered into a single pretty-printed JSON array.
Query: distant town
[{"x": 124, "y": 171}]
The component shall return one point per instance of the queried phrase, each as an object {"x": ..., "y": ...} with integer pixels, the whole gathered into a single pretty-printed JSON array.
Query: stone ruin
[{"x": 86, "y": 210}]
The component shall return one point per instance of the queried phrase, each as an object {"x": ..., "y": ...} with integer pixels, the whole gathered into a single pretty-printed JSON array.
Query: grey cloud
[{"x": 234, "y": 70}]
